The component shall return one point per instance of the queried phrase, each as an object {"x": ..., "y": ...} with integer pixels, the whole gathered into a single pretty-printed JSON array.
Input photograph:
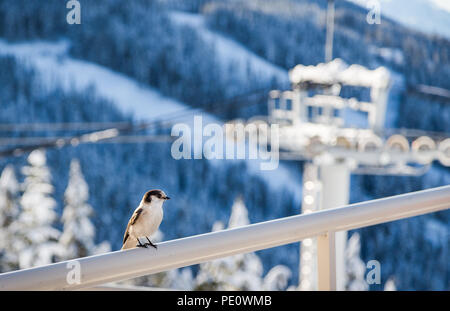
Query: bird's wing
[{"x": 133, "y": 219}]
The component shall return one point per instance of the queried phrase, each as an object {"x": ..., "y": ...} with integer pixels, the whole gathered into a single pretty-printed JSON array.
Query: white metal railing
[{"x": 121, "y": 265}]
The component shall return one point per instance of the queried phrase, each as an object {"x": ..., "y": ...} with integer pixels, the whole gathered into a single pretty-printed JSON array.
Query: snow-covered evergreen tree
[
  {"x": 239, "y": 272},
  {"x": 78, "y": 234},
  {"x": 242, "y": 271},
  {"x": 277, "y": 278},
  {"x": 9, "y": 210},
  {"x": 36, "y": 238},
  {"x": 355, "y": 267}
]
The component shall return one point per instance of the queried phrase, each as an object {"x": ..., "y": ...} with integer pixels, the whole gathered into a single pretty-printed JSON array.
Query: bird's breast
[
  {"x": 155, "y": 215},
  {"x": 151, "y": 219}
]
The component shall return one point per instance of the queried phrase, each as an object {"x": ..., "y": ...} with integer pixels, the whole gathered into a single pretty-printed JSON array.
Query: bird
[{"x": 145, "y": 220}]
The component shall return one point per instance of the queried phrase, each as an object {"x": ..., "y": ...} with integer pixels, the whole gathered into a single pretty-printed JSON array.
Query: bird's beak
[{"x": 166, "y": 198}]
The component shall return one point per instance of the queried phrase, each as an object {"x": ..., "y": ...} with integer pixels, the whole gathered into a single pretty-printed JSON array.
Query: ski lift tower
[{"x": 312, "y": 126}]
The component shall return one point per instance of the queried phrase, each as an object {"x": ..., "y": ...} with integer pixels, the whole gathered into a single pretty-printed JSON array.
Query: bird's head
[{"x": 154, "y": 197}]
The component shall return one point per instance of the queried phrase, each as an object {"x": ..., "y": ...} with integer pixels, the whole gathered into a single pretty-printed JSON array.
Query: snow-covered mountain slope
[
  {"x": 142, "y": 102},
  {"x": 53, "y": 65},
  {"x": 230, "y": 52},
  {"x": 431, "y": 16},
  {"x": 395, "y": 94}
]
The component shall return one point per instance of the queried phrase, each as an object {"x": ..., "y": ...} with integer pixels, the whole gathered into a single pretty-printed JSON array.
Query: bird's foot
[
  {"x": 140, "y": 244},
  {"x": 150, "y": 243}
]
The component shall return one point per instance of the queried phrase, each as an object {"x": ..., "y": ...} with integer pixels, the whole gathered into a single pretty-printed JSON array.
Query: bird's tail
[{"x": 128, "y": 244}]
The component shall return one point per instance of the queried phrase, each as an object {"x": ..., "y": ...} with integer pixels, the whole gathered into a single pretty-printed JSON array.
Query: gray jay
[{"x": 145, "y": 220}]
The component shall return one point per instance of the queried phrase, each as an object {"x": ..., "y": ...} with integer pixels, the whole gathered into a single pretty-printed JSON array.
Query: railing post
[
  {"x": 335, "y": 180},
  {"x": 326, "y": 261}
]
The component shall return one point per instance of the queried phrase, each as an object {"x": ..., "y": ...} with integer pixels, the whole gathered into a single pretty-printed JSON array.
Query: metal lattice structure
[{"x": 312, "y": 124}]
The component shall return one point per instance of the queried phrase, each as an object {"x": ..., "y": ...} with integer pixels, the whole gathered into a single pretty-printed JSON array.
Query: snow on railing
[{"x": 122, "y": 265}]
